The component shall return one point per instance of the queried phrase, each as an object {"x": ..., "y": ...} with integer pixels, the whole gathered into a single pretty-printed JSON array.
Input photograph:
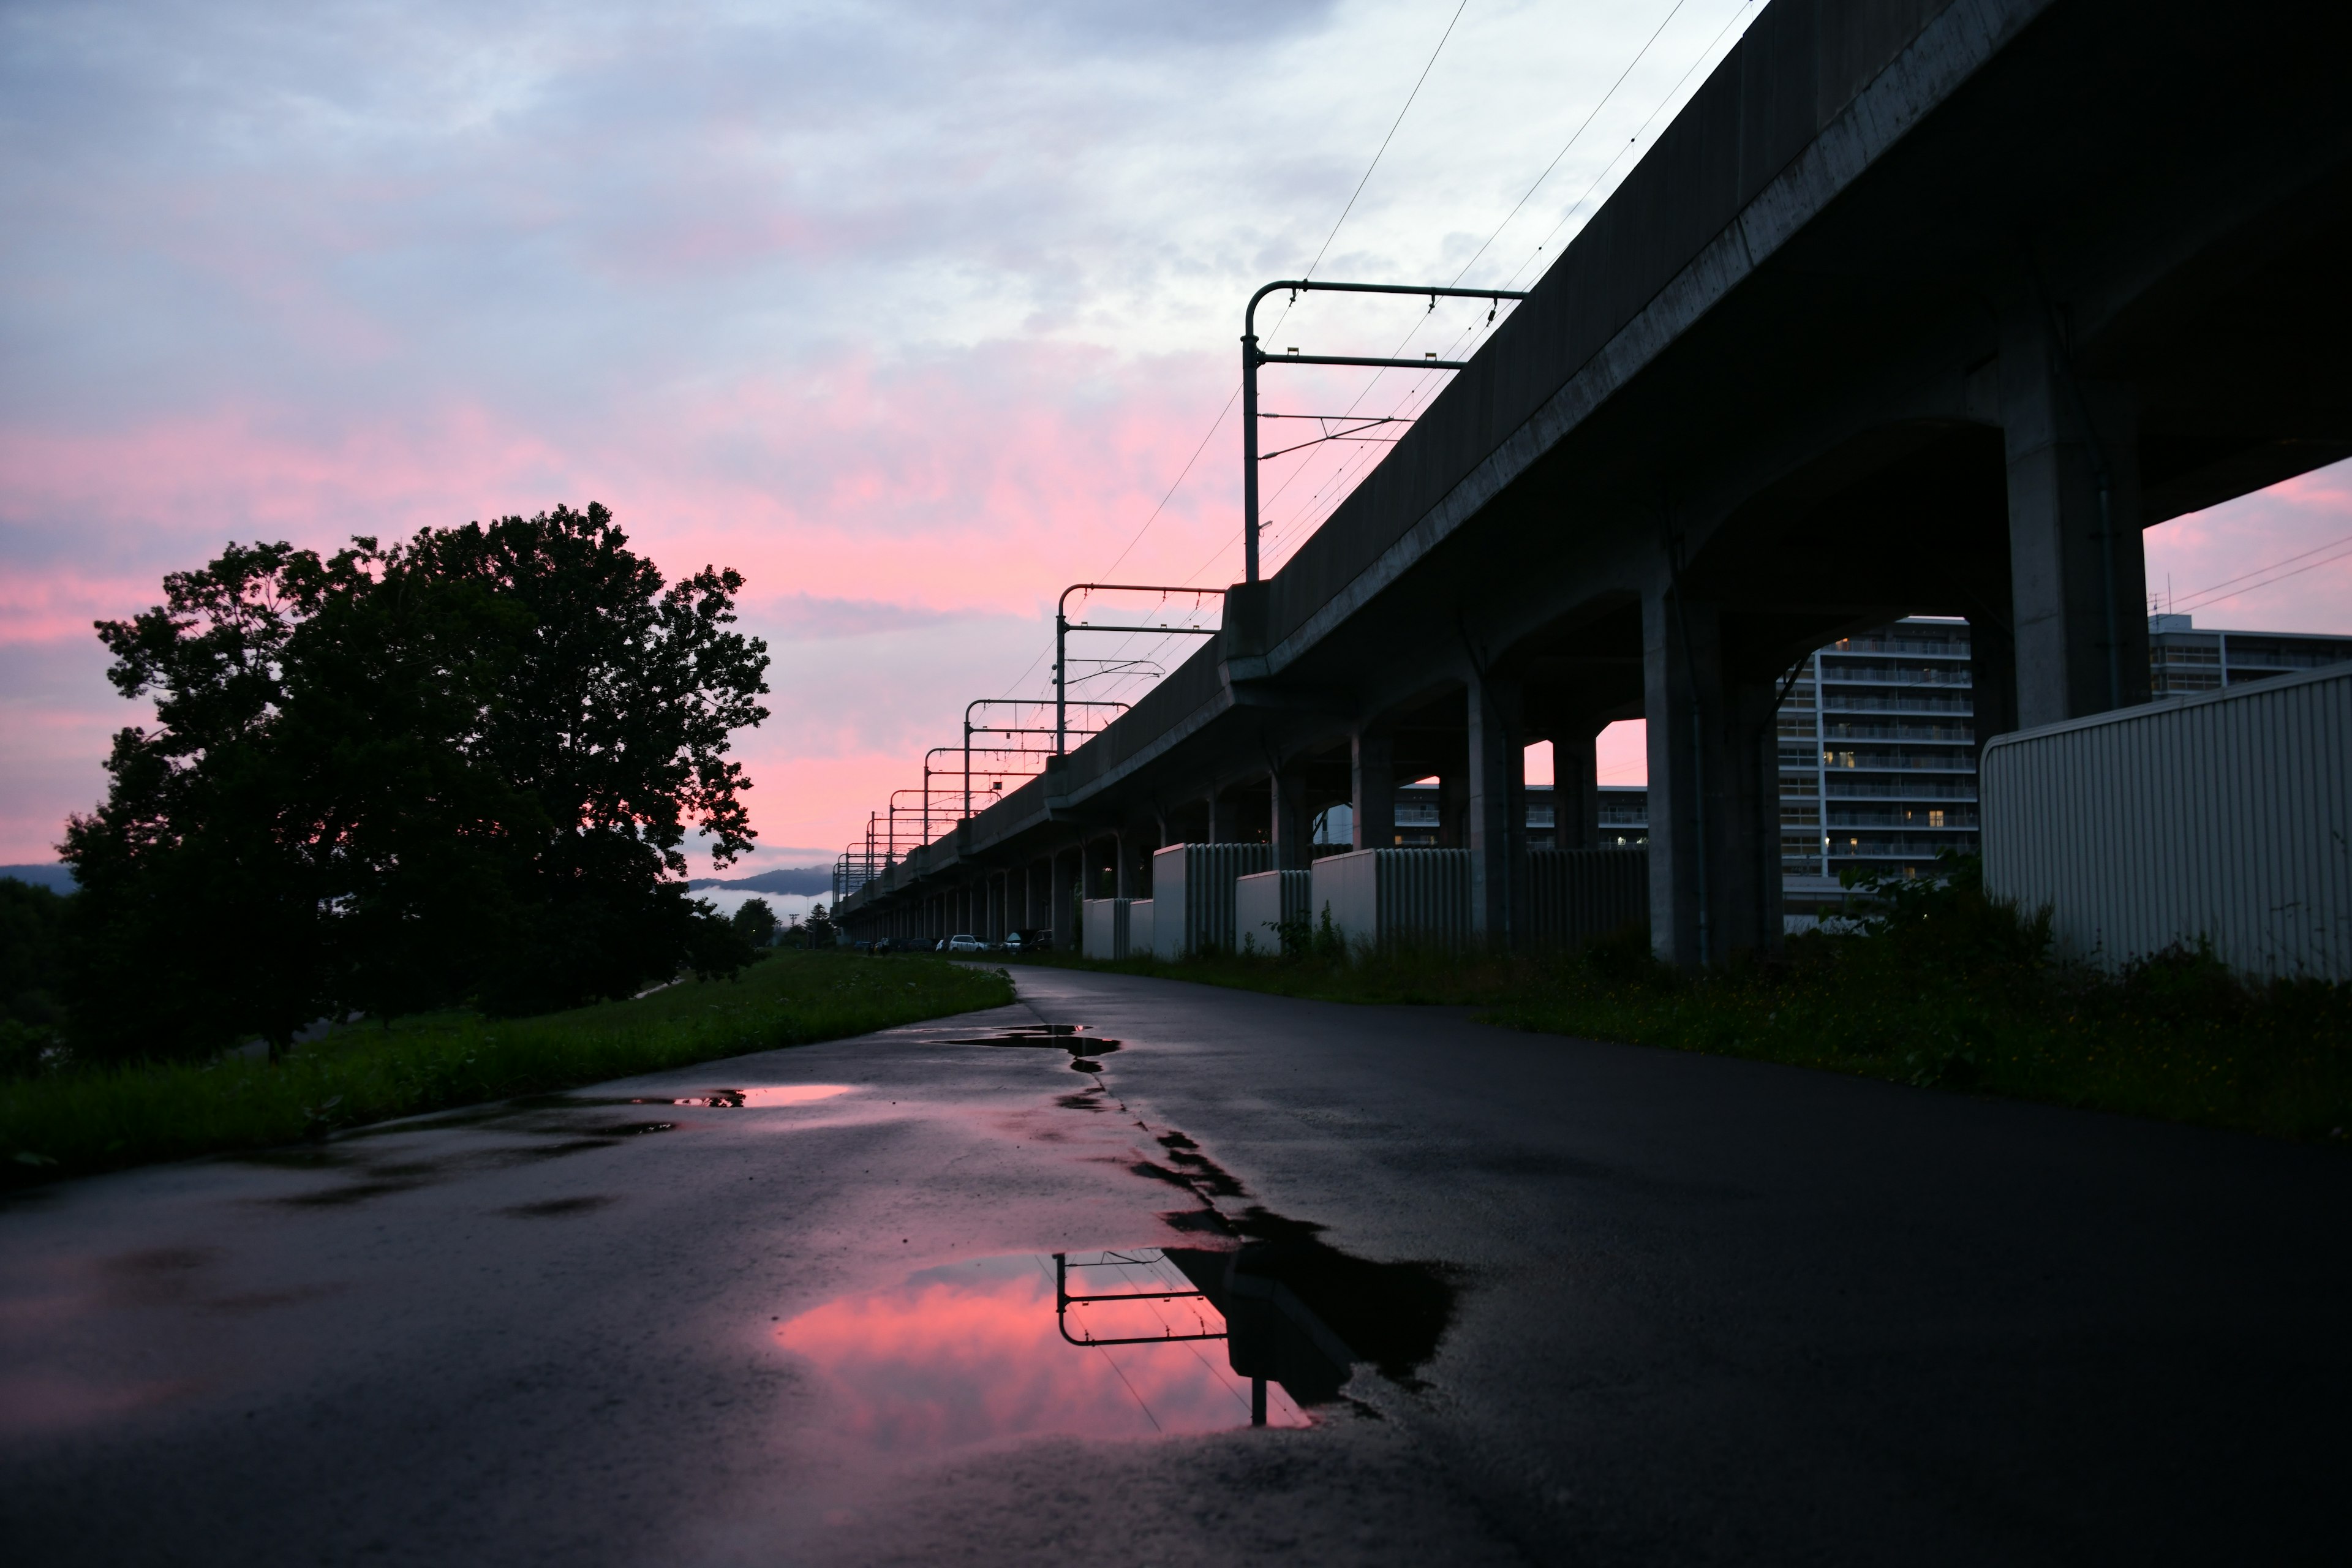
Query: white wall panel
[
  {"x": 2225, "y": 817},
  {"x": 1264, "y": 900},
  {"x": 1382, "y": 897},
  {"x": 1192, "y": 885}
]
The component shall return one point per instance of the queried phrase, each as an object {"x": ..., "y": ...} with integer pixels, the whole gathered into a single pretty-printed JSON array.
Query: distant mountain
[
  {"x": 59, "y": 879},
  {"x": 790, "y": 879}
]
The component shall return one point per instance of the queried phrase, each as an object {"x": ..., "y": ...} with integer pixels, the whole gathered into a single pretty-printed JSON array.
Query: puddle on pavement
[
  {"x": 537, "y": 1116},
  {"x": 760, "y": 1099},
  {"x": 508, "y": 1114},
  {"x": 1084, "y": 1048},
  {"x": 996, "y": 1349},
  {"x": 1299, "y": 1310}
]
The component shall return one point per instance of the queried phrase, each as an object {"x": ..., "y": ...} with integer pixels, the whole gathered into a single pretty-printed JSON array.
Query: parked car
[{"x": 964, "y": 941}]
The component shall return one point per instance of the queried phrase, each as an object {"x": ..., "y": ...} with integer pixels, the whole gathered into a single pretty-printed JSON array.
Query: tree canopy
[{"x": 458, "y": 769}]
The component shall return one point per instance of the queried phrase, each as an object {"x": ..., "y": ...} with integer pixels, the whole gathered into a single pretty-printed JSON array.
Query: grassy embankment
[
  {"x": 73, "y": 1121},
  {"x": 1944, "y": 991}
]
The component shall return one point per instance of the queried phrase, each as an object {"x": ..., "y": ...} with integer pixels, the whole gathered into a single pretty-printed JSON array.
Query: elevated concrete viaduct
[{"x": 1919, "y": 307}]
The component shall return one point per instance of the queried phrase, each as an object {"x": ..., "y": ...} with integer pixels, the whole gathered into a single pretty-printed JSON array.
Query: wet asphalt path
[{"x": 1709, "y": 1311}]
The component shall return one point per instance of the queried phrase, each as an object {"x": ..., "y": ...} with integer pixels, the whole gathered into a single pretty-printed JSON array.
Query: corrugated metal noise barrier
[
  {"x": 1266, "y": 901},
  {"x": 1576, "y": 894},
  {"x": 1298, "y": 887},
  {"x": 2224, "y": 817},
  {"x": 1425, "y": 897},
  {"x": 1200, "y": 877}
]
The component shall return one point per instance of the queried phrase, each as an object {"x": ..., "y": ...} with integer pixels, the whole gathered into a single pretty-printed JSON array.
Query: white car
[{"x": 966, "y": 943}]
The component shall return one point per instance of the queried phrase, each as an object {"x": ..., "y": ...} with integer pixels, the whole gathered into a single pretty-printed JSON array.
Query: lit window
[{"x": 1935, "y": 819}]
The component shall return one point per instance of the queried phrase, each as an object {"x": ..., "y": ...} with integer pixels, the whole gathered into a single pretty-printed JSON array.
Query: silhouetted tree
[
  {"x": 461, "y": 768},
  {"x": 755, "y": 923},
  {"x": 32, "y": 946}
]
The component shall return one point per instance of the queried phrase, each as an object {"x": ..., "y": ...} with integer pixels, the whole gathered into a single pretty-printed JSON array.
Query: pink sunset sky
[{"x": 913, "y": 315}]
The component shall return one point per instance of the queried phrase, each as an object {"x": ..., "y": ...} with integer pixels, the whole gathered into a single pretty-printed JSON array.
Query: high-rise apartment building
[
  {"x": 1878, "y": 767},
  {"x": 2183, "y": 658}
]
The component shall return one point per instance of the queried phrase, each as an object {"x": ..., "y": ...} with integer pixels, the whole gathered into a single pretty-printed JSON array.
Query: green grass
[
  {"x": 72, "y": 1123},
  {"x": 1947, "y": 993}
]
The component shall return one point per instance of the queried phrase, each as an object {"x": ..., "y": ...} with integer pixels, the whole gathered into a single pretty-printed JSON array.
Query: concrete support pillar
[
  {"x": 1992, "y": 676},
  {"x": 1715, "y": 791},
  {"x": 1119, "y": 862},
  {"x": 1576, "y": 787},
  {"x": 1454, "y": 807},
  {"x": 1495, "y": 806},
  {"x": 1372, "y": 788},
  {"x": 1293, "y": 825},
  {"x": 1218, "y": 826},
  {"x": 1063, "y": 899},
  {"x": 2078, "y": 570}
]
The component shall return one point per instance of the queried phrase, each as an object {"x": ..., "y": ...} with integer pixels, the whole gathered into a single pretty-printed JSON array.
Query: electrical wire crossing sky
[{"x": 916, "y": 315}]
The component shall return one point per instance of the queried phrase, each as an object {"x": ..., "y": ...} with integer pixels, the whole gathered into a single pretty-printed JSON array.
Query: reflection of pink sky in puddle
[
  {"x": 768, "y": 1097},
  {"x": 970, "y": 1351}
]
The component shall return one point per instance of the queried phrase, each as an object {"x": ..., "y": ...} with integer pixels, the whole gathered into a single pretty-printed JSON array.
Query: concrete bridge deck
[{"x": 1919, "y": 307}]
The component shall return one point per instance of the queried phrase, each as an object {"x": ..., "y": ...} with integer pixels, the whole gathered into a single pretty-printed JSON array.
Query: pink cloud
[
  {"x": 966, "y": 483},
  {"x": 955, "y": 486},
  {"x": 2307, "y": 513}
]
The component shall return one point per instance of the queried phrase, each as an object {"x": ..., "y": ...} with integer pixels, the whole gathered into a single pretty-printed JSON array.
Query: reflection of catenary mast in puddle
[{"x": 1269, "y": 1332}]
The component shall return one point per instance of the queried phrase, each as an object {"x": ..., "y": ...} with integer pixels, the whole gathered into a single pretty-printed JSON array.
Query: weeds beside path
[
  {"x": 1946, "y": 991},
  {"x": 73, "y": 1123}
]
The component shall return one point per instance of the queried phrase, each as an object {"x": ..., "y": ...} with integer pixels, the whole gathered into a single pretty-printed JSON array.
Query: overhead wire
[
  {"x": 1354, "y": 463},
  {"x": 1354, "y": 197},
  {"x": 2213, "y": 594},
  {"x": 1324, "y": 249},
  {"x": 1382, "y": 153},
  {"x": 1218, "y": 424},
  {"x": 1671, "y": 93},
  {"x": 1601, "y": 104}
]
